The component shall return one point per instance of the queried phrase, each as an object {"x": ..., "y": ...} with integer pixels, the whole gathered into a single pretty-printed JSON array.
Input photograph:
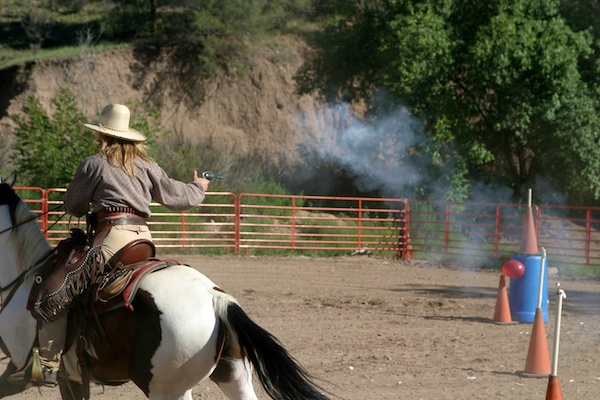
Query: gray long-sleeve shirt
[{"x": 103, "y": 185}]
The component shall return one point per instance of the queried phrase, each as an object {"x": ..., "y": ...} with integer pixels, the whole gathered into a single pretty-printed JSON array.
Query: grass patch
[{"x": 12, "y": 57}]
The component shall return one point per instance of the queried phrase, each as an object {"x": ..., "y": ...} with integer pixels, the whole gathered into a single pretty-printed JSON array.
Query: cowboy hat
[{"x": 114, "y": 121}]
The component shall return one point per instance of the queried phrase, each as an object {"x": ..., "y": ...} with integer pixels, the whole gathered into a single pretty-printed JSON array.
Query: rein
[
  {"x": 36, "y": 216},
  {"x": 14, "y": 284},
  {"x": 19, "y": 279}
]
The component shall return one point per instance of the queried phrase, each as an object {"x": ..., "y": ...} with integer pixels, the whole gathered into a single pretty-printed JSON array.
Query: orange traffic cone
[
  {"x": 529, "y": 243},
  {"x": 502, "y": 314},
  {"x": 553, "y": 392},
  {"x": 538, "y": 360}
]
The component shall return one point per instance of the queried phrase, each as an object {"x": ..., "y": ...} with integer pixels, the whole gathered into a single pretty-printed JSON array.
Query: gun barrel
[{"x": 211, "y": 175}]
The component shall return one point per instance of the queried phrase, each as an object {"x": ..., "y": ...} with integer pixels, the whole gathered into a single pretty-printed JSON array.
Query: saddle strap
[
  {"x": 110, "y": 289},
  {"x": 132, "y": 281},
  {"x": 131, "y": 289},
  {"x": 84, "y": 370}
]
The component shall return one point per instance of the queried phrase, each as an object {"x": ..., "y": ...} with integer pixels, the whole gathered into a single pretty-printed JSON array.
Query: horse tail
[{"x": 281, "y": 376}]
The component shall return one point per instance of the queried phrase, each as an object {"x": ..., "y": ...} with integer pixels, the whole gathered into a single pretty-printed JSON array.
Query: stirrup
[
  {"x": 36, "y": 374},
  {"x": 23, "y": 378}
]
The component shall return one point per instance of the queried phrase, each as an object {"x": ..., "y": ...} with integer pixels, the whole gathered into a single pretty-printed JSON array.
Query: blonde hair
[{"x": 122, "y": 153}]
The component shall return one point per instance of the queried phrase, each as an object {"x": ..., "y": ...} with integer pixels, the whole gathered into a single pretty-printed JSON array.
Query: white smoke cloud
[
  {"x": 381, "y": 154},
  {"x": 377, "y": 151}
]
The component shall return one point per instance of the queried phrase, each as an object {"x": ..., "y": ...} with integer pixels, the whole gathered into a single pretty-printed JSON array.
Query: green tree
[
  {"x": 498, "y": 84},
  {"x": 49, "y": 149},
  {"x": 214, "y": 33},
  {"x": 222, "y": 28}
]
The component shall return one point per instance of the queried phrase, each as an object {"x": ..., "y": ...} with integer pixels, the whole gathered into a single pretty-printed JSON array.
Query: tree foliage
[
  {"x": 216, "y": 29},
  {"x": 49, "y": 149},
  {"x": 221, "y": 28},
  {"x": 501, "y": 85}
]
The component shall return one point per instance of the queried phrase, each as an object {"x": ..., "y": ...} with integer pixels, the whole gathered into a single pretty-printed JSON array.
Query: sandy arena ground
[{"x": 372, "y": 328}]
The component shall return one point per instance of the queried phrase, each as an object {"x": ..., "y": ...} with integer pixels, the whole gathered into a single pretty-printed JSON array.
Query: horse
[{"x": 183, "y": 328}]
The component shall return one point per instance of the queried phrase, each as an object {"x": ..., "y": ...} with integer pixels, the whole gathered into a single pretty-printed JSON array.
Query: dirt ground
[{"x": 373, "y": 328}]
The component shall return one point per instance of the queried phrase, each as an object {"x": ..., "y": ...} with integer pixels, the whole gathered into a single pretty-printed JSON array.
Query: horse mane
[
  {"x": 10, "y": 198},
  {"x": 30, "y": 243}
]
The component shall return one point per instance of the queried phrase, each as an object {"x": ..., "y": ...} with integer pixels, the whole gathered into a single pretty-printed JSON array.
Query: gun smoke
[
  {"x": 378, "y": 152},
  {"x": 382, "y": 154}
]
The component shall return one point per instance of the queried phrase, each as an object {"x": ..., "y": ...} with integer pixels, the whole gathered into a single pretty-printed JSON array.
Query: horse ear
[{"x": 10, "y": 181}]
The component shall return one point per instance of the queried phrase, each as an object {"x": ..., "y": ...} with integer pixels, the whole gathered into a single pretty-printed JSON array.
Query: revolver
[{"x": 211, "y": 175}]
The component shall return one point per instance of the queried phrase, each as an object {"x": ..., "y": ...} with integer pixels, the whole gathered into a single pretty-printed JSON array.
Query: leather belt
[
  {"x": 119, "y": 219},
  {"x": 109, "y": 212}
]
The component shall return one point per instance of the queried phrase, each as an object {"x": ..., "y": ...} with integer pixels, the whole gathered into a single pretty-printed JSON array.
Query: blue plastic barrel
[{"x": 523, "y": 291}]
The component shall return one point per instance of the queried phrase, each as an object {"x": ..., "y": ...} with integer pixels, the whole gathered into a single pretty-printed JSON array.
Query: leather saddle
[{"x": 76, "y": 266}]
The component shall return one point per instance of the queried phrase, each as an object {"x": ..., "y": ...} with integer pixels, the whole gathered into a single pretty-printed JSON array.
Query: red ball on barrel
[{"x": 513, "y": 269}]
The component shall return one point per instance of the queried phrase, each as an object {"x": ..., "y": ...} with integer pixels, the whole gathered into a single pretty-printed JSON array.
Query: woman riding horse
[{"x": 119, "y": 181}]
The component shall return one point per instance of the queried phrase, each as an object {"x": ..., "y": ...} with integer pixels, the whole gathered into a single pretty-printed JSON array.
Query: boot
[
  {"x": 37, "y": 374},
  {"x": 22, "y": 378}
]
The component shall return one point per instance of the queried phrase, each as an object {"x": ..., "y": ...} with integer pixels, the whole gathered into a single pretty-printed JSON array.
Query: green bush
[{"x": 48, "y": 149}]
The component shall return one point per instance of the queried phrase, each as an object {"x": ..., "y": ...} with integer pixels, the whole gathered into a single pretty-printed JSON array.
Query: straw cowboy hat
[{"x": 114, "y": 121}]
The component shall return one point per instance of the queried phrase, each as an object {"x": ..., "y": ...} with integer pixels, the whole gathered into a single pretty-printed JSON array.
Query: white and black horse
[{"x": 182, "y": 329}]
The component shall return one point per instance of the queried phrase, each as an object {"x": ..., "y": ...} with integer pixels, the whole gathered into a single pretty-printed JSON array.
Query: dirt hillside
[{"x": 246, "y": 111}]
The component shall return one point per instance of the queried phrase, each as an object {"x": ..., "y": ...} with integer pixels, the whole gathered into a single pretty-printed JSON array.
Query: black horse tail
[{"x": 281, "y": 376}]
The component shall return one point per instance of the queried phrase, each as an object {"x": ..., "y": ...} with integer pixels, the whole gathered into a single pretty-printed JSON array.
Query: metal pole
[
  {"x": 560, "y": 296},
  {"x": 540, "y": 292}
]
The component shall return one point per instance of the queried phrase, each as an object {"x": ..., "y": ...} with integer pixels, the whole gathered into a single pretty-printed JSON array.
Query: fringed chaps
[{"x": 82, "y": 271}]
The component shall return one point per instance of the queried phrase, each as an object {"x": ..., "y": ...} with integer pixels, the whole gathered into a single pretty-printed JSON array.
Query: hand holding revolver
[{"x": 205, "y": 178}]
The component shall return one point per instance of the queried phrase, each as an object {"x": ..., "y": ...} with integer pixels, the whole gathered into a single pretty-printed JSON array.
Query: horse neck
[{"x": 26, "y": 245}]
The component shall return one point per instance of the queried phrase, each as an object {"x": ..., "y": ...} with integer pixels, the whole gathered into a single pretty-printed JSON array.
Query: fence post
[
  {"x": 497, "y": 231},
  {"x": 236, "y": 224},
  {"x": 403, "y": 236},
  {"x": 588, "y": 234},
  {"x": 183, "y": 230},
  {"x": 294, "y": 222},
  {"x": 447, "y": 229},
  {"x": 359, "y": 224},
  {"x": 45, "y": 224}
]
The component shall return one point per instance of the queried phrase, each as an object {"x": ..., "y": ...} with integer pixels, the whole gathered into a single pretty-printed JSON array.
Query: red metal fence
[
  {"x": 273, "y": 224},
  {"x": 210, "y": 225},
  {"x": 321, "y": 223}
]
